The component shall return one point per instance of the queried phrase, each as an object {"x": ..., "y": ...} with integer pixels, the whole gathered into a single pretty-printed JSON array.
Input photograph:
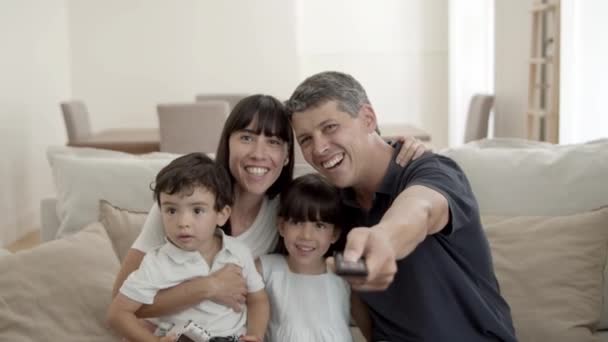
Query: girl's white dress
[{"x": 305, "y": 308}]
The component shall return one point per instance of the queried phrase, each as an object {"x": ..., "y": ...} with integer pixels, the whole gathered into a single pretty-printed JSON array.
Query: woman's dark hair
[
  {"x": 310, "y": 198},
  {"x": 271, "y": 119},
  {"x": 193, "y": 170}
]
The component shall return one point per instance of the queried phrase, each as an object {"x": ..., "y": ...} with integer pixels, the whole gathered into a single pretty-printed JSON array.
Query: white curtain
[
  {"x": 471, "y": 59},
  {"x": 584, "y": 71}
]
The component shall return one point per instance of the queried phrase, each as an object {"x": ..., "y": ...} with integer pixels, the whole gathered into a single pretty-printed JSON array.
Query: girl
[{"x": 307, "y": 302}]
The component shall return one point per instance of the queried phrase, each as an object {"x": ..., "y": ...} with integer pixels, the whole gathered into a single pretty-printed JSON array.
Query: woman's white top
[
  {"x": 261, "y": 237},
  {"x": 303, "y": 307}
]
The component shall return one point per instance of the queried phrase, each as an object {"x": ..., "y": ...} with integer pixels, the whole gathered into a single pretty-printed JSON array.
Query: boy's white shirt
[{"x": 168, "y": 265}]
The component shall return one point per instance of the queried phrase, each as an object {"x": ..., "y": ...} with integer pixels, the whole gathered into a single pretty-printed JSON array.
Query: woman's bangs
[{"x": 271, "y": 124}]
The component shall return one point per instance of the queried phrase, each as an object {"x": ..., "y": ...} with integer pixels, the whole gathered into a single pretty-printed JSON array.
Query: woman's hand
[
  {"x": 227, "y": 287},
  {"x": 411, "y": 149}
]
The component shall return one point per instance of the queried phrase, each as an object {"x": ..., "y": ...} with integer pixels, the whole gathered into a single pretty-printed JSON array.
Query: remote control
[{"x": 350, "y": 268}]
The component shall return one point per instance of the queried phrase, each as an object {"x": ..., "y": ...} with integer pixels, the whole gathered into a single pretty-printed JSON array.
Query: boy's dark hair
[
  {"x": 195, "y": 170},
  {"x": 310, "y": 198}
]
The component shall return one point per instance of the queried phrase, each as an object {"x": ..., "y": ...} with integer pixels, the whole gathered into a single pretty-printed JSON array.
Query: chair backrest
[
  {"x": 478, "y": 116},
  {"x": 191, "y": 127},
  {"x": 232, "y": 99},
  {"x": 76, "y": 117}
]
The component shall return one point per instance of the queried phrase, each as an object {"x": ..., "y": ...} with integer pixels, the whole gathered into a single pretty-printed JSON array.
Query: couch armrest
[{"x": 49, "y": 221}]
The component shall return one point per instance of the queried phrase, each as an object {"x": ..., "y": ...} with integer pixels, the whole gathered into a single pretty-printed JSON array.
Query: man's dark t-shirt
[{"x": 445, "y": 290}]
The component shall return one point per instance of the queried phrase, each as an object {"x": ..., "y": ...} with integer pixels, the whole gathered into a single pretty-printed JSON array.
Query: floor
[{"x": 28, "y": 241}]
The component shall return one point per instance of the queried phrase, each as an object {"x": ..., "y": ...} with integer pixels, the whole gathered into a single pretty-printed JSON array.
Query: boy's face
[
  {"x": 333, "y": 141},
  {"x": 190, "y": 218}
]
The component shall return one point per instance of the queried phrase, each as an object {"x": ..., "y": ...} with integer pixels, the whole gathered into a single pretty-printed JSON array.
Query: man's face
[{"x": 333, "y": 141}]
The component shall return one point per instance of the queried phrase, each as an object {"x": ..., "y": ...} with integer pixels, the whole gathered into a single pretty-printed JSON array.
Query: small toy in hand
[
  {"x": 192, "y": 332},
  {"x": 350, "y": 268}
]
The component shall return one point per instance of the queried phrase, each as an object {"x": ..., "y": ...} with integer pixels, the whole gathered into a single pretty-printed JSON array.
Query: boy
[{"x": 194, "y": 195}]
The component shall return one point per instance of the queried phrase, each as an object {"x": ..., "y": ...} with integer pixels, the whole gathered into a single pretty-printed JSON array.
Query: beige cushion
[
  {"x": 550, "y": 272},
  {"x": 123, "y": 226},
  {"x": 59, "y": 291}
]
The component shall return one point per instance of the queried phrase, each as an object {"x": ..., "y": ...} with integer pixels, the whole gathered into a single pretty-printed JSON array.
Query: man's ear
[
  {"x": 368, "y": 115},
  {"x": 223, "y": 215}
]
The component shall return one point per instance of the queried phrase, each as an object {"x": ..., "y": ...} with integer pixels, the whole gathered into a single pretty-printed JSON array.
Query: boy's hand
[{"x": 228, "y": 287}]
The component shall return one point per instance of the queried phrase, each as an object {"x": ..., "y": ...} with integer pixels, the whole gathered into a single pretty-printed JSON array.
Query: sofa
[{"x": 544, "y": 209}]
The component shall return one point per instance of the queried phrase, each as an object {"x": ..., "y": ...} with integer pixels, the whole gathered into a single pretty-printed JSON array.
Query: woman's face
[{"x": 256, "y": 161}]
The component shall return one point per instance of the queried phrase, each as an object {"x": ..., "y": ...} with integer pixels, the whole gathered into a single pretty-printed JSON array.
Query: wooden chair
[
  {"x": 191, "y": 127},
  {"x": 478, "y": 116},
  {"x": 232, "y": 99},
  {"x": 76, "y": 117}
]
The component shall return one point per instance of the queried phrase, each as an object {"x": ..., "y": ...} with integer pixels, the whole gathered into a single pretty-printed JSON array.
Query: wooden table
[
  {"x": 405, "y": 130},
  {"x": 130, "y": 140}
]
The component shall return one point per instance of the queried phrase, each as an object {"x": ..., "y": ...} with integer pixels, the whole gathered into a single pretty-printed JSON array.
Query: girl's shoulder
[{"x": 273, "y": 261}]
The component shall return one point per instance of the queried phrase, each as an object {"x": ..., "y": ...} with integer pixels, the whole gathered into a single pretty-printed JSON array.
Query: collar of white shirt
[{"x": 180, "y": 256}]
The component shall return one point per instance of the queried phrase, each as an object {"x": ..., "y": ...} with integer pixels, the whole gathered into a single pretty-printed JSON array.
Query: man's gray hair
[{"x": 326, "y": 86}]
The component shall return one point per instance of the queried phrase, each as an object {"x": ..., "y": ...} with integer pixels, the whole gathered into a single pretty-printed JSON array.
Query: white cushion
[
  {"x": 82, "y": 182},
  {"x": 511, "y": 177},
  {"x": 52, "y": 152}
]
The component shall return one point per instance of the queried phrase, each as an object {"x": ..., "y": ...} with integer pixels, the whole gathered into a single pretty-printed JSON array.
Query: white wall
[
  {"x": 397, "y": 49},
  {"x": 128, "y": 56},
  {"x": 35, "y": 77},
  {"x": 584, "y": 72},
  {"x": 471, "y": 59},
  {"x": 512, "y": 53}
]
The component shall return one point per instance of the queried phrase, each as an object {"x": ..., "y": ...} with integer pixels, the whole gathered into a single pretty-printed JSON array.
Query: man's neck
[{"x": 377, "y": 162}]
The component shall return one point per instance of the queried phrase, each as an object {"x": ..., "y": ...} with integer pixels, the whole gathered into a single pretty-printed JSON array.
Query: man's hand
[
  {"x": 374, "y": 245},
  {"x": 228, "y": 287},
  {"x": 249, "y": 338}
]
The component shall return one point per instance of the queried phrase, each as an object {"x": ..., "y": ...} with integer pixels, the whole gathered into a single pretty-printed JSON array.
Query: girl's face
[
  {"x": 307, "y": 242},
  {"x": 256, "y": 160}
]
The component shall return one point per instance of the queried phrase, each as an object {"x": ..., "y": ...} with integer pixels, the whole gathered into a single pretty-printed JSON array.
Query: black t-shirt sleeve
[{"x": 443, "y": 175}]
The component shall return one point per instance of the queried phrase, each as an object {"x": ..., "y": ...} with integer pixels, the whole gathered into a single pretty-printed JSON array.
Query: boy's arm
[
  {"x": 225, "y": 286},
  {"x": 121, "y": 318},
  {"x": 360, "y": 313},
  {"x": 258, "y": 314}
]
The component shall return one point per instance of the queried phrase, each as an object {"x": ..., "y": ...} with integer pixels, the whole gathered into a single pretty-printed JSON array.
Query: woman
[{"x": 257, "y": 148}]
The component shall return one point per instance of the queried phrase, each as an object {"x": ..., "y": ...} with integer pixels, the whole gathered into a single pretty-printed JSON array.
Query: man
[{"x": 430, "y": 269}]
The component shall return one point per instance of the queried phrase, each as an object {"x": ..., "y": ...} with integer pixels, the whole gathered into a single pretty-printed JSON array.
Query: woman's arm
[
  {"x": 130, "y": 263},
  {"x": 411, "y": 149}
]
